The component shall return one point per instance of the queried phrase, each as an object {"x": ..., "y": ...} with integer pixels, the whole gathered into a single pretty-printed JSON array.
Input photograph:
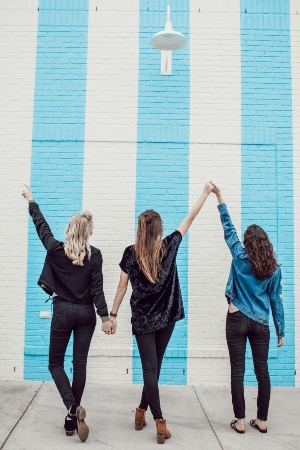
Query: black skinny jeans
[
  {"x": 238, "y": 328},
  {"x": 152, "y": 347},
  {"x": 81, "y": 319}
]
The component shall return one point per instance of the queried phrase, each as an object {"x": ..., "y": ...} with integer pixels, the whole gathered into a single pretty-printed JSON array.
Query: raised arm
[
  {"x": 121, "y": 291},
  {"x": 230, "y": 234},
  {"x": 188, "y": 220},
  {"x": 275, "y": 296},
  {"x": 42, "y": 228}
]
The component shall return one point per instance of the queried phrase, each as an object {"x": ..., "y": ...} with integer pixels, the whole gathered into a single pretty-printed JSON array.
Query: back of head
[
  {"x": 77, "y": 234},
  {"x": 149, "y": 246},
  {"x": 260, "y": 252}
]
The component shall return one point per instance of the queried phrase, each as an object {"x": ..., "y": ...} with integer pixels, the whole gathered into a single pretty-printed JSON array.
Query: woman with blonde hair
[
  {"x": 156, "y": 301},
  {"x": 72, "y": 274}
]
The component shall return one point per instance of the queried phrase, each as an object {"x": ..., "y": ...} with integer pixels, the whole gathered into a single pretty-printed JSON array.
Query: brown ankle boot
[
  {"x": 140, "y": 420},
  {"x": 162, "y": 431}
]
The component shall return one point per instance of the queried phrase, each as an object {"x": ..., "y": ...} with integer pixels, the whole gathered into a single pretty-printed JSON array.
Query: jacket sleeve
[
  {"x": 276, "y": 301},
  {"x": 230, "y": 234},
  {"x": 42, "y": 228},
  {"x": 96, "y": 288}
]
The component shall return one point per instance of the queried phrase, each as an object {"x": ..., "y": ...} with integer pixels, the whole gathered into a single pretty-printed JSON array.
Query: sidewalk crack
[
  {"x": 16, "y": 424},
  {"x": 207, "y": 419}
]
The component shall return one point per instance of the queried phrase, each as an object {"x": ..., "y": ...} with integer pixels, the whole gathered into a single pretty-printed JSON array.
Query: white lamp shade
[{"x": 168, "y": 40}]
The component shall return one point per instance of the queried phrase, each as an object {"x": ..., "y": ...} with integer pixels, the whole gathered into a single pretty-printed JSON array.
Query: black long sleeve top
[{"x": 76, "y": 284}]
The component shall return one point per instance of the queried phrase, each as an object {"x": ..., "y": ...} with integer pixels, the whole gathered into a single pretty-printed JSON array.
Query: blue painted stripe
[
  {"x": 57, "y": 151},
  {"x": 162, "y": 172},
  {"x": 267, "y": 152}
]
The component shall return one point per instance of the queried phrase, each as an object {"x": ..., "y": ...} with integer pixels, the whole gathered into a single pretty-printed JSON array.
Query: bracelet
[{"x": 113, "y": 315}]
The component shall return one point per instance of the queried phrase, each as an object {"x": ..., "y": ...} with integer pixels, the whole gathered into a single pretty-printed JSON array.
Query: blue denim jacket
[{"x": 253, "y": 297}]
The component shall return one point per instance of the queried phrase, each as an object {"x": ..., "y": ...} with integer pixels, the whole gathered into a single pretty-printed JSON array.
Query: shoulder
[
  {"x": 127, "y": 259},
  {"x": 96, "y": 254},
  {"x": 57, "y": 246},
  {"x": 174, "y": 237},
  {"x": 277, "y": 272},
  {"x": 129, "y": 251}
]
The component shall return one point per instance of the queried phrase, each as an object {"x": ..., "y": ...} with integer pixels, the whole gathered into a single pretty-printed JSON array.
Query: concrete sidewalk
[{"x": 32, "y": 417}]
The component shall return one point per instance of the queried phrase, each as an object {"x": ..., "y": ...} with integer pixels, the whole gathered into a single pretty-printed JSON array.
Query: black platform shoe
[{"x": 69, "y": 426}]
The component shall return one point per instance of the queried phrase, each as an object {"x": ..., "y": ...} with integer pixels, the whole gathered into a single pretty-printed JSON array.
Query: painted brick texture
[
  {"x": 267, "y": 151},
  {"x": 88, "y": 117},
  {"x": 295, "y": 55},
  {"x": 18, "y": 27},
  {"x": 57, "y": 151}
]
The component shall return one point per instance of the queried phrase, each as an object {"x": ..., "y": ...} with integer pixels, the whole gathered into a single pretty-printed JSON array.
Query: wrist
[
  {"x": 104, "y": 318},
  {"x": 113, "y": 315}
]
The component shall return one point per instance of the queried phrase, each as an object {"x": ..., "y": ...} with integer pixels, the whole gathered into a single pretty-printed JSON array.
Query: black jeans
[
  {"x": 238, "y": 328},
  {"x": 81, "y": 319},
  {"x": 152, "y": 347}
]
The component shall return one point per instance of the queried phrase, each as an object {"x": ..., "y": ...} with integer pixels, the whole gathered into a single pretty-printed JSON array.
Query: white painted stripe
[
  {"x": 18, "y": 31},
  {"x": 214, "y": 154},
  {"x": 295, "y": 57},
  {"x": 110, "y": 162}
]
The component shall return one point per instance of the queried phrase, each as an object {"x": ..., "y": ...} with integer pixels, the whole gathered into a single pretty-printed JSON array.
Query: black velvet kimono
[{"x": 155, "y": 305}]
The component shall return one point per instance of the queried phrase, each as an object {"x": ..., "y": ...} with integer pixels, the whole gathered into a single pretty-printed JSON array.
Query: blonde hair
[
  {"x": 149, "y": 247},
  {"x": 77, "y": 234}
]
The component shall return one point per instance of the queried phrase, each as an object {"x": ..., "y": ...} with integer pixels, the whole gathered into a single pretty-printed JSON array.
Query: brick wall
[
  {"x": 295, "y": 54},
  {"x": 18, "y": 28},
  {"x": 116, "y": 130}
]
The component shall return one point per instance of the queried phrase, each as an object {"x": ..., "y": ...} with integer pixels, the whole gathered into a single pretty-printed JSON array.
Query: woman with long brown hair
[
  {"x": 253, "y": 288},
  {"x": 156, "y": 302},
  {"x": 72, "y": 274}
]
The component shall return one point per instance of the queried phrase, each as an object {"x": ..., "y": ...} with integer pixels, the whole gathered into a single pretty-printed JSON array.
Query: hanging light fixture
[{"x": 167, "y": 41}]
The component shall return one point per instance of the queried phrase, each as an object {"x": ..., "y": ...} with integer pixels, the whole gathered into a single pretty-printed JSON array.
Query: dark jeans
[
  {"x": 238, "y": 328},
  {"x": 81, "y": 319},
  {"x": 152, "y": 347}
]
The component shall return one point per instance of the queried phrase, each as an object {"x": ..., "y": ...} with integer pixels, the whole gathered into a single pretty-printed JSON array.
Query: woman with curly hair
[{"x": 253, "y": 287}]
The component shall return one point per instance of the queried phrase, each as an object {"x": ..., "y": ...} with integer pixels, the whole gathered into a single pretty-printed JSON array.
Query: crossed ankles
[{"x": 75, "y": 421}]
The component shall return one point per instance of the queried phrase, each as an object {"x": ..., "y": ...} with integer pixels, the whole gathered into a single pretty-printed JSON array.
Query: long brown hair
[
  {"x": 260, "y": 252},
  {"x": 77, "y": 234},
  {"x": 149, "y": 247}
]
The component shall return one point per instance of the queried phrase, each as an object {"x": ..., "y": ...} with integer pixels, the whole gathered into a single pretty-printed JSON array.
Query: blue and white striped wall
[{"x": 89, "y": 120}]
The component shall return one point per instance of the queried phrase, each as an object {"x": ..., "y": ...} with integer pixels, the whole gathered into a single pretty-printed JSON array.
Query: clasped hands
[{"x": 110, "y": 326}]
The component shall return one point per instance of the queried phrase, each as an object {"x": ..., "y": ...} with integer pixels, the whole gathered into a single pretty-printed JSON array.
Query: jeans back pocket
[
  {"x": 234, "y": 322},
  {"x": 59, "y": 318}
]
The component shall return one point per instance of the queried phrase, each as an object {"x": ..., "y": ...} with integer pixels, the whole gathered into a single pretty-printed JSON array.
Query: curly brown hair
[{"x": 260, "y": 252}]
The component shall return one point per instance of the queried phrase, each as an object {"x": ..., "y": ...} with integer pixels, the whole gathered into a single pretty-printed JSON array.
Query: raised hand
[
  {"x": 208, "y": 187},
  {"x": 216, "y": 190},
  {"x": 218, "y": 193},
  {"x": 27, "y": 193}
]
